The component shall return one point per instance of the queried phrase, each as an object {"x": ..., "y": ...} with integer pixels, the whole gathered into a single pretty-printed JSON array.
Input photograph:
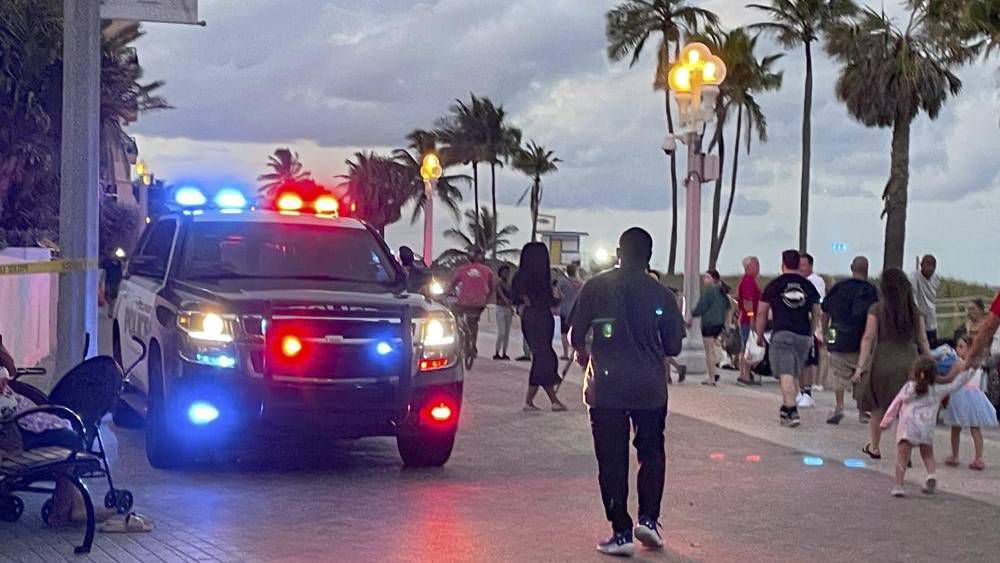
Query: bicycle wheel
[{"x": 468, "y": 352}]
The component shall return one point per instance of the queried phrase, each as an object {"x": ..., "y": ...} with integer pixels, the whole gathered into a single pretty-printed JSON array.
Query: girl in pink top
[{"x": 917, "y": 406}]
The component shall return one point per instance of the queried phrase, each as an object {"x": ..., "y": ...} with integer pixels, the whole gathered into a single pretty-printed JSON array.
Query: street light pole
[
  {"x": 78, "y": 190},
  {"x": 429, "y": 186},
  {"x": 694, "y": 79},
  {"x": 430, "y": 171}
]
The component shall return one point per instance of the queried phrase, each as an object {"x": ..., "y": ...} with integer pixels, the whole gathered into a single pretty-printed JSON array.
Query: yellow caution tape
[{"x": 50, "y": 267}]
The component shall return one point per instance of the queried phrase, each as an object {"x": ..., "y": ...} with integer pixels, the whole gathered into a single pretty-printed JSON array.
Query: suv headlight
[
  {"x": 206, "y": 327},
  {"x": 436, "y": 332}
]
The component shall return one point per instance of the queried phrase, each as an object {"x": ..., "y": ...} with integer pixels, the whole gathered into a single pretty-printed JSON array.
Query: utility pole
[{"x": 78, "y": 189}]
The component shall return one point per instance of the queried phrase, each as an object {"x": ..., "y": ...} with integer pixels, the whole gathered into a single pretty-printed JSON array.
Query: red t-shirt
[
  {"x": 995, "y": 309},
  {"x": 473, "y": 282},
  {"x": 748, "y": 291}
]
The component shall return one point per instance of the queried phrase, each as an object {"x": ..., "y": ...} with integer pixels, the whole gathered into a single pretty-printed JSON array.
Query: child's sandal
[
  {"x": 977, "y": 465},
  {"x": 951, "y": 461}
]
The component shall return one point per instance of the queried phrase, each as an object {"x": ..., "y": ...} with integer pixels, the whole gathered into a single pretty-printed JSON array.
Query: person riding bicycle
[{"x": 473, "y": 285}]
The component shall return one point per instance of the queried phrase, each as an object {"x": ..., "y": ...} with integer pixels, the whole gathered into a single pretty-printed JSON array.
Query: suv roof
[{"x": 268, "y": 216}]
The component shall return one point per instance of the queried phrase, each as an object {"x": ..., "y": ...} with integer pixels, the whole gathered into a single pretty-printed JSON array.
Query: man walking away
[
  {"x": 845, "y": 311},
  {"x": 473, "y": 284},
  {"x": 569, "y": 287},
  {"x": 814, "y": 364},
  {"x": 794, "y": 302},
  {"x": 636, "y": 325},
  {"x": 748, "y": 296},
  {"x": 925, "y": 289}
]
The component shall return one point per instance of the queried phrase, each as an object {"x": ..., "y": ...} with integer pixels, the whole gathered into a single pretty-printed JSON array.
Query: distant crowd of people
[{"x": 626, "y": 329}]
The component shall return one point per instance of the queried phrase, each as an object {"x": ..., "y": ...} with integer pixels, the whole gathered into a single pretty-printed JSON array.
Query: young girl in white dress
[
  {"x": 917, "y": 406},
  {"x": 969, "y": 408}
]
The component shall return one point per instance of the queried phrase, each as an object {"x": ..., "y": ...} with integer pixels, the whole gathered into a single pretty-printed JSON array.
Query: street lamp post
[
  {"x": 694, "y": 79},
  {"x": 430, "y": 171}
]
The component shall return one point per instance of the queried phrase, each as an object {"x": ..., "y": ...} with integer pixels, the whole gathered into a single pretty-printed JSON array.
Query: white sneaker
[
  {"x": 930, "y": 485},
  {"x": 804, "y": 401},
  {"x": 898, "y": 491},
  {"x": 648, "y": 534},
  {"x": 818, "y": 388}
]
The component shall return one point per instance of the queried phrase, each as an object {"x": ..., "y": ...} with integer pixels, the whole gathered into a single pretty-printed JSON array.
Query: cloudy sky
[{"x": 330, "y": 77}]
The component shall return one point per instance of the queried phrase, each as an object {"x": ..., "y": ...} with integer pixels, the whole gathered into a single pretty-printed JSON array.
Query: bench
[{"x": 21, "y": 471}]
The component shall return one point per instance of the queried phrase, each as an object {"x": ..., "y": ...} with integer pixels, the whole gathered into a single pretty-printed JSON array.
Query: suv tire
[
  {"x": 426, "y": 449},
  {"x": 162, "y": 450}
]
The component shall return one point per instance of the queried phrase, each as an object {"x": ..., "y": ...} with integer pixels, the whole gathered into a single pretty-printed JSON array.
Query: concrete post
[{"x": 79, "y": 194}]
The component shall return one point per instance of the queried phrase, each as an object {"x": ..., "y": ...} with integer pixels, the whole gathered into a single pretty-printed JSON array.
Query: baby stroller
[{"x": 91, "y": 390}]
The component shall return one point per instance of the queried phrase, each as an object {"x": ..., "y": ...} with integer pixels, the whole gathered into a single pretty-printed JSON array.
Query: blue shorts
[{"x": 744, "y": 333}]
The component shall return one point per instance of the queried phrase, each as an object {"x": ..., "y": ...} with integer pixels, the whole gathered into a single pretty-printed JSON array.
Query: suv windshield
[{"x": 234, "y": 250}]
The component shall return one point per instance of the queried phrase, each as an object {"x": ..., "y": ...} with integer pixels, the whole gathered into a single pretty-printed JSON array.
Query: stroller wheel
[
  {"x": 11, "y": 508},
  {"x": 119, "y": 499},
  {"x": 124, "y": 501},
  {"x": 47, "y": 510}
]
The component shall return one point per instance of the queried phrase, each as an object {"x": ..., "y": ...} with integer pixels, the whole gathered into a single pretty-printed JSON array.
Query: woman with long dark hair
[
  {"x": 894, "y": 337},
  {"x": 532, "y": 288}
]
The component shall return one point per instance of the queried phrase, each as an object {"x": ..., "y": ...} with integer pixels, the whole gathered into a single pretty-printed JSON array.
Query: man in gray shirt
[
  {"x": 925, "y": 288},
  {"x": 636, "y": 325}
]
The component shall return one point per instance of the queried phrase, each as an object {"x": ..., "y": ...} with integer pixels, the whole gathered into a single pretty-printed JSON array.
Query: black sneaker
[
  {"x": 793, "y": 419},
  {"x": 682, "y": 373},
  {"x": 524, "y": 359},
  {"x": 619, "y": 544},
  {"x": 648, "y": 533},
  {"x": 784, "y": 419},
  {"x": 497, "y": 357}
]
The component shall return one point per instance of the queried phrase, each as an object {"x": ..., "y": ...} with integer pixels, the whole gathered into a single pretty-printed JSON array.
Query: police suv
[{"x": 276, "y": 321}]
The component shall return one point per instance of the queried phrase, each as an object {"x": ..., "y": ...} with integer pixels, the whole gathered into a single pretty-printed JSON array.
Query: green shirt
[{"x": 712, "y": 307}]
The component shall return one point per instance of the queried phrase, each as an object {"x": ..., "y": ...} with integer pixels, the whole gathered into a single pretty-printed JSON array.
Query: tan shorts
[{"x": 842, "y": 366}]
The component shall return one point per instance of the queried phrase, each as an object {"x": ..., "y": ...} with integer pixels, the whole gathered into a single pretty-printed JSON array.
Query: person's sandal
[
  {"x": 977, "y": 465},
  {"x": 530, "y": 408},
  {"x": 951, "y": 461},
  {"x": 559, "y": 407},
  {"x": 868, "y": 450}
]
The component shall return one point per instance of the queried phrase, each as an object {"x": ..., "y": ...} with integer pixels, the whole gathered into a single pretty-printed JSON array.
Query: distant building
[{"x": 565, "y": 247}]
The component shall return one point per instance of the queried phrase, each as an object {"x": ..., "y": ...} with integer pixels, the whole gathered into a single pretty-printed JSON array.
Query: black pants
[{"x": 611, "y": 429}]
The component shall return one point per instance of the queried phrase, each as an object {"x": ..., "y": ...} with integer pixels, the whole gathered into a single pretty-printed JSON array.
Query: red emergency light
[{"x": 438, "y": 413}]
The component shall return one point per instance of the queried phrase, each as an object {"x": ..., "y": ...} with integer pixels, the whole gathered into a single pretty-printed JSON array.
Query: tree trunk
[
  {"x": 672, "y": 259},
  {"x": 895, "y": 195},
  {"x": 493, "y": 192},
  {"x": 806, "y": 152},
  {"x": 475, "y": 188},
  {"x": 720, "y": 140},
  {"x": 535, "y": 204},
  {"x": 732, "y": 184}
]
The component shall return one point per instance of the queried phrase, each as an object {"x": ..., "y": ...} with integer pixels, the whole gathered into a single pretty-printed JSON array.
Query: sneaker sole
[
  {"x": 627, "y": 550},
  {"x": 647, "y": 537},
  {"x": 794, "y": 423}
]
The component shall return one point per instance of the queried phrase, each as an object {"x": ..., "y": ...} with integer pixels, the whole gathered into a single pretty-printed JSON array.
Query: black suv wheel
[
  {"x": 162, "y": 449},
  {"x": 426, "y": 449}
]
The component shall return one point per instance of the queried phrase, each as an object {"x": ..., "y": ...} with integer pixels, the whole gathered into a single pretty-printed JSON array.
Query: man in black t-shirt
[
  {"x": 636, "y": 325},
  {"x": 845, "y": 312},
  {"x": 793, "y": 302}
]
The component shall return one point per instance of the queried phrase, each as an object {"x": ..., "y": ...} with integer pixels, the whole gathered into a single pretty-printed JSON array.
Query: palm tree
[
  {"x": 889, "y": 75},
  {"x": 535, "y": 161},
  {"x": 423, "y": 142},
  {"x": 746, "y": 75},
  {"x": 482, "y": 234},
  {"x": 629, "y": 27},
  {"x": 377, "y": 187},
  {"x": 285, "y": 167},
  {"x": 461, "y": 138},
  {"x": 501, "y": 142},
  {"x": 794, "y": 23}
]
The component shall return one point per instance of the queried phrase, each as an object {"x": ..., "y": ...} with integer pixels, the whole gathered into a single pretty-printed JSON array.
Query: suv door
[{"x": 146, "y": 273}]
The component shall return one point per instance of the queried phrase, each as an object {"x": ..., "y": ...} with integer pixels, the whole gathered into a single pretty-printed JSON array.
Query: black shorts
[
  {"x": 563, "y": 324},
  {"x": 711, "y": 331}
]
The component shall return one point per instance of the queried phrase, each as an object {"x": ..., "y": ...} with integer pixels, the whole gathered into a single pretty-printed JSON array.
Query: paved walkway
[{"x": 522, "y": 487}]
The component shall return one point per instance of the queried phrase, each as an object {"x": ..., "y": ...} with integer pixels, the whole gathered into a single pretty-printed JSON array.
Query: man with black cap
[{"x": 636, "y": 325}]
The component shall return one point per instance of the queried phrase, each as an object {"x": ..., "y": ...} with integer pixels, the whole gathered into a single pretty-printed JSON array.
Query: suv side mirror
[{"x": 146, "y": 266}]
